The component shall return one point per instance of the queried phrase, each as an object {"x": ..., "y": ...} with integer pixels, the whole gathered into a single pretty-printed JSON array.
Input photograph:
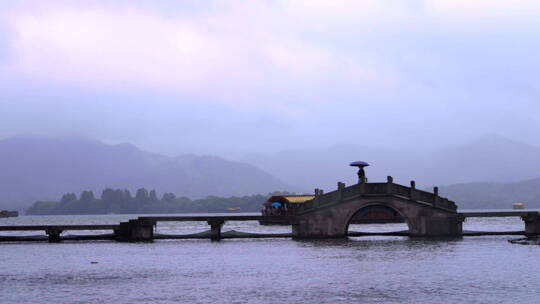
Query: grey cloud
[{"x": 427, "y": 84}]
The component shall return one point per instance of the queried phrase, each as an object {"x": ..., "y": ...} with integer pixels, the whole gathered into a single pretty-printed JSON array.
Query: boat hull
[{"x": 5, "y": 213}]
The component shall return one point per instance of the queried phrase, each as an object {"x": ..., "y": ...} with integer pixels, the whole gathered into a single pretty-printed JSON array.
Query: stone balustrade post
[
  {"x": 412, "y": 189},
  {"x": 340, "y": 187},
  {"x": 435, "y": 196},
  {"x": 389, "y": 184}
]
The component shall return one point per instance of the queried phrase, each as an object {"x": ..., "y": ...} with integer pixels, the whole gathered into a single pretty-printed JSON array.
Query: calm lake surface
[{"x": 357, "y": 270}]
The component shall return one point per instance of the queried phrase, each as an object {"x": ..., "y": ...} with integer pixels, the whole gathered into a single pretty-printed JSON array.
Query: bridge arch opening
[{"x": 375, "y": 219}]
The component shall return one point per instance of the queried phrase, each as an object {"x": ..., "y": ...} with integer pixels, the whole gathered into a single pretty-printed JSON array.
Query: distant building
[
  {"x": 518, "y": 205},
  {"x": 284, "y": 204}
]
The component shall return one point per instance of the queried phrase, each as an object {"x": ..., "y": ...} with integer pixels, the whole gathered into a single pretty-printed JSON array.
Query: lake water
[{"x": 358, "y": 270}]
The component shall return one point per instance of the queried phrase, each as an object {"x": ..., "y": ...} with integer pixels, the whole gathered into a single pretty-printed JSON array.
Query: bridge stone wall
[{"x": 329, "y": 215}]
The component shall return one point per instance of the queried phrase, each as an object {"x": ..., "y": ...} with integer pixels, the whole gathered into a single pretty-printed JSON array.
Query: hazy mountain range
[
  {"x": 34, "y": 168},
  {"x": 491, "y": 158},
  {"x": 485, "y": 172},
  {"x": 494, "y": 195}
]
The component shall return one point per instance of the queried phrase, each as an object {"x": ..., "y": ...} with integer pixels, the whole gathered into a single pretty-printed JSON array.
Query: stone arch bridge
[{"x": 328, "y": 215}]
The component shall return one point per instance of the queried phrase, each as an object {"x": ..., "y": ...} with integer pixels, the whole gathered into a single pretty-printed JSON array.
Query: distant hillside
[
  {"x": 324, "y": 167},
  {"x": 494, "y": 195},
  {"x": 43, "y": 169},
  {"x": 491, "y": 158}
]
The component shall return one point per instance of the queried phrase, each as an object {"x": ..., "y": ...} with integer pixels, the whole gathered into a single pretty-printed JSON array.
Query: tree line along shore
[{"x": 121, "y": 201}]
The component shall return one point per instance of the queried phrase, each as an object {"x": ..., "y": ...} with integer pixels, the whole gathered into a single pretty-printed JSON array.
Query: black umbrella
[
  {"x": 360, "y": 164},
  {"x": 361, "y": 173}
]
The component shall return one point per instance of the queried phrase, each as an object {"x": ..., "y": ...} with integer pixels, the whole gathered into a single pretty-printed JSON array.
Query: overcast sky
[{"x": 234, "y": 77}]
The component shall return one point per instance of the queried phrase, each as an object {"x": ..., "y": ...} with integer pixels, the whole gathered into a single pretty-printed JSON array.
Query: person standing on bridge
[{"x": 361, "y": 173}]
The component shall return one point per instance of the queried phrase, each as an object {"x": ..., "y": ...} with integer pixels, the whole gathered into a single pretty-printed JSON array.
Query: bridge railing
[
  {"x": 423, "y": 196},
  {"x": 400, "y": 190},
  {"x": 350, "y": 191},
  {"x": 329, "y": 198},
  {"x": 446, "y": 204},
  {"x": 377, "y": 189}
]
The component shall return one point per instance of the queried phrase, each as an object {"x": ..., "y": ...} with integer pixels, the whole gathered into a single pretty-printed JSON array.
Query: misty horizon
[
  {"x": 43, "y": 168},
  {"x": 214, "y": 79},
  {"x": 242, "y": 156}
]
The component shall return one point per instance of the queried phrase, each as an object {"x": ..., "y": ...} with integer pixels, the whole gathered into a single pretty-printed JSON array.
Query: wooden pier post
[
  {"x": 138, "y": 230},
  {"x": 215, "y": 229},
  {"x": 54, "y": 235},
  {"x": 532, "y": 224}
]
